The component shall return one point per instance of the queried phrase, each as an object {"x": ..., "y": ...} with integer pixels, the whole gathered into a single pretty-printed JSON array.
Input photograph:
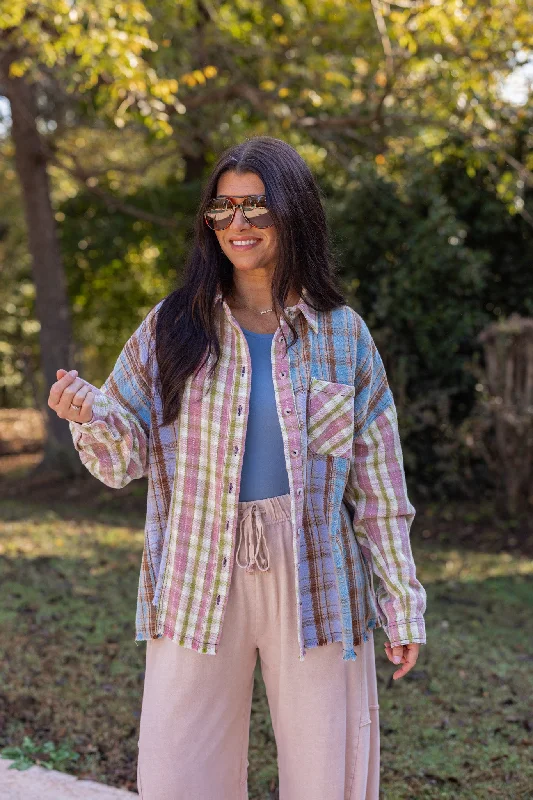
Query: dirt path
[{"x": 38, "y": 783}]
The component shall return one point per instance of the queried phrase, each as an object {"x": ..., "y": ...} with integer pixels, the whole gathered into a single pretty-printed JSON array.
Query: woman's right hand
[{"x": 70, "y": 389}]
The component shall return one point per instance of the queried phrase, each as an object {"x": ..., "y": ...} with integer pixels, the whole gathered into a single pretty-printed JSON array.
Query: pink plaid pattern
[
  {"x": 383, "y": 516},
  {"x": 350, "y": 512}
]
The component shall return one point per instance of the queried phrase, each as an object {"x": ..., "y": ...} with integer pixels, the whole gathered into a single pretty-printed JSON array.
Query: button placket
[{"x": 293, "y": 433}]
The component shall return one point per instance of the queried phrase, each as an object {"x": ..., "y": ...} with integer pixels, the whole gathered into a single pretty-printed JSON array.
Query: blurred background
[{"x": 416, "y": 118}]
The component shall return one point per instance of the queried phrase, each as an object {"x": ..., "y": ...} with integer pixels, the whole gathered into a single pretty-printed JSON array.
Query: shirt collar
[{"x": 309, "y": 313}]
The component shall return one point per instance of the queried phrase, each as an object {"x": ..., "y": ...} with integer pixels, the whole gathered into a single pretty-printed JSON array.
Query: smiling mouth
[{"x": 244, "y": 244}]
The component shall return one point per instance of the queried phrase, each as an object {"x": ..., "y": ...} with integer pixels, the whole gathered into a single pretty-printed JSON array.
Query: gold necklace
[{"x": 255, "y": 310}]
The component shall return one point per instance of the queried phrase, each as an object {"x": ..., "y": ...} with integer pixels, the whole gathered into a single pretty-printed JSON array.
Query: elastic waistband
[{"x": 272, "y": 509}]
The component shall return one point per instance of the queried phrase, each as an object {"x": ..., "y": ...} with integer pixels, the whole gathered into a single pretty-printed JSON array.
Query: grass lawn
[{"x": 460, "y": 725}]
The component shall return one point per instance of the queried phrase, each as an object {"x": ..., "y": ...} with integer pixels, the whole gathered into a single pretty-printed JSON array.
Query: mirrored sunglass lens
[
  {"x": 259, "y": 216},
  {"x": 219, "y": 214}
]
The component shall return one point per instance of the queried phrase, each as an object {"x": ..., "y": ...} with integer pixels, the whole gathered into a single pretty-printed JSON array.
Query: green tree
[
  {"x": 133, "y": 101},
  {"x": 54, "y": 58}
]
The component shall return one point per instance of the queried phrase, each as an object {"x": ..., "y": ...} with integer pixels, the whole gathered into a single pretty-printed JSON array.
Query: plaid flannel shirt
[{"x": 350, "y": 512}]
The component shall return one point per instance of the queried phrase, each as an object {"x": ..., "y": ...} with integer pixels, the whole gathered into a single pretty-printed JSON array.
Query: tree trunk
[{"x": 52, "y": 306}]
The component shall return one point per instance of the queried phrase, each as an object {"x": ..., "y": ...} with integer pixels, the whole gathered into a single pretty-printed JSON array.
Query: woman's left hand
[{"x": 406, "y": 655}]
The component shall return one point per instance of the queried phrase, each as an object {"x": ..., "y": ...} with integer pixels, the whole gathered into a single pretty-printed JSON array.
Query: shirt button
[
  {"x": 299, "y": 491},
  {"x": 294, "y": 452},
  {"x": 225, "y": 561},
  {"x": 287, "y": 410},
  {"x": 282, "y": 374}
]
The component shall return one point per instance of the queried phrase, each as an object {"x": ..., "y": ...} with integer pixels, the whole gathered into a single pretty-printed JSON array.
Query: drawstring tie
[{"x": 252, "y": 549}]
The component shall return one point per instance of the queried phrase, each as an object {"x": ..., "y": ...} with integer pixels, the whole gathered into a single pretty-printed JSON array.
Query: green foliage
[
  {"x": 411, "y": 271},
  {"x": 428, "y": 263},
  {"x": 506, "y": 238},
  {"x": 110, "y": 257},
  {"x": 100, "y": 49},
  {"x": 46, "y": 755},
  {"x": 19, "y": 328}
]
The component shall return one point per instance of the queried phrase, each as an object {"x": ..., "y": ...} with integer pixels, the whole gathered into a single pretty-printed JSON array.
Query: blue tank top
[{"x": 264, "y": 472}]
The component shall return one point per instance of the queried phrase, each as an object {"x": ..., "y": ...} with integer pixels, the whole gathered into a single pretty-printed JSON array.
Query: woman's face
[{"x": 259, "y": 252}]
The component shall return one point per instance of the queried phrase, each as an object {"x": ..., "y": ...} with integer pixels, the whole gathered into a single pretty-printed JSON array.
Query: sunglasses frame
[{"x": 235, "y": 206}]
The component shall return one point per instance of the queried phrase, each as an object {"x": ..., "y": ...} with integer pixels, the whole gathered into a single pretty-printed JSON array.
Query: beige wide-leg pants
[{"x": 195, "y": 717}]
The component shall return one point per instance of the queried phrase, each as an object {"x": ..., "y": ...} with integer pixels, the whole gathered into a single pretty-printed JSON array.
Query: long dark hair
[{"x": 185, "y": 329}]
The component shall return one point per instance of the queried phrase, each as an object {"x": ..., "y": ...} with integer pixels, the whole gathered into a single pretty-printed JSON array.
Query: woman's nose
[{"x": 239, "y": 220}]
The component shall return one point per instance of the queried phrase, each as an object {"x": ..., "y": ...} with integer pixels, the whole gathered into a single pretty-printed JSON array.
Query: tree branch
[
  {"x": 112, "y": 202},
  {"x": 126, "y": 169},
  {"x": 385, "y": 41}
]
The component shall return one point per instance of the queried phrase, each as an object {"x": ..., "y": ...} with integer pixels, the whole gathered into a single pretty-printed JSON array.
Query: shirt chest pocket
[{"x": 330, "y": 418}]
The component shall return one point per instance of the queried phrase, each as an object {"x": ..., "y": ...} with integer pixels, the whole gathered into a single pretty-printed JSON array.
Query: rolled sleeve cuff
[
  {"x": 102, "y": 406},
  {"x": 407, "y": 631}
]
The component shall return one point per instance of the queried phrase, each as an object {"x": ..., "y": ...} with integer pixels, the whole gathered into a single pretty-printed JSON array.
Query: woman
[{"x": 275, "y": 490}]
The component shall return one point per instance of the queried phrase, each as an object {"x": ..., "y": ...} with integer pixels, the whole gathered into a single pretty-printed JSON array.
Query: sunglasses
[{"x": 221, "y": 210}]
